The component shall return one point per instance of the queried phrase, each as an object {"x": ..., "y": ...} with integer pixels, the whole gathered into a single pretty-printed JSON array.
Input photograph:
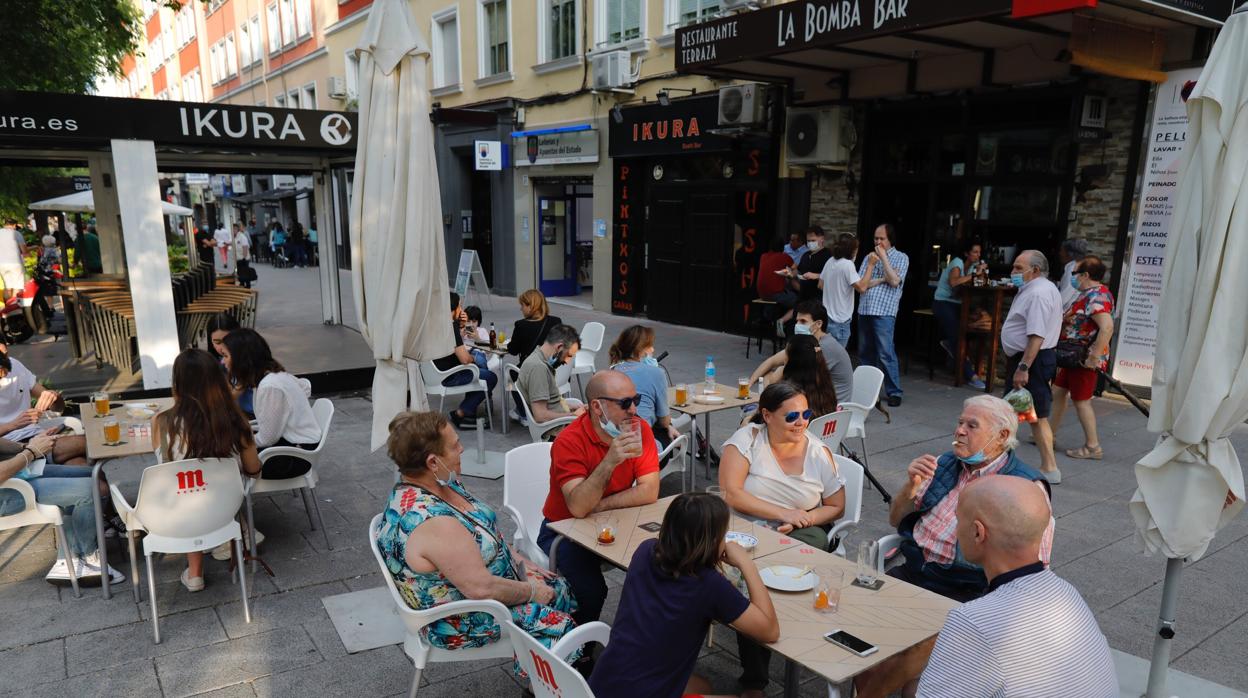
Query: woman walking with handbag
[{"x": 1082, "y": 352}]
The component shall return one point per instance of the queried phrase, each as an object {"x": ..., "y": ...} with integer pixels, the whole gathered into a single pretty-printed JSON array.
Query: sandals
[{"x": 1085, "y": 453}]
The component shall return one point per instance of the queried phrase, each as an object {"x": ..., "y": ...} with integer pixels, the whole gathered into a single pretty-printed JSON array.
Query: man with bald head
[
  {"x": 606, "y": 459},
  {"x": 1029, "y": 337},
  {"x": 1032, "y": 634}
]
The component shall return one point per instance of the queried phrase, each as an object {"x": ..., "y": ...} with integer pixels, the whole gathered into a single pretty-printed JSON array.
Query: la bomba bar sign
[{"x": 809, "y": 23}]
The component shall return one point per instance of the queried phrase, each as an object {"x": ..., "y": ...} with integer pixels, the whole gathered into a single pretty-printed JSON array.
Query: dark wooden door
[{"x": 689, "y": 238}]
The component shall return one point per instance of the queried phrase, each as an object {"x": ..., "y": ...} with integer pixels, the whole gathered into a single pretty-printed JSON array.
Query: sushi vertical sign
[{"x": 1137, "y": 331}]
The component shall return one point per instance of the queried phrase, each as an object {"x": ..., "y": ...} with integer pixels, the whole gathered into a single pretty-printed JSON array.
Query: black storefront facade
[{"x": 693, "y": 207}]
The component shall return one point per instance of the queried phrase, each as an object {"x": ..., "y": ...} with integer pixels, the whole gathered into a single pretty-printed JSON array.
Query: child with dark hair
[{"x": 673, "y": 591}]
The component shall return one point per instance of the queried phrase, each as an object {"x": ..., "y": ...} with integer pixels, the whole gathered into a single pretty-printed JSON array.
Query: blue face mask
[
  {"x": 555, "y": 359},
  {"x": 1074, "y": 282},
  {"x": 607, "y": 425},
  {"x": 650, "y": 361},
  {"x": 1017, "y": 280},
  {"x": 975, "y": 458},
  {"x": 802, "y": 329}
]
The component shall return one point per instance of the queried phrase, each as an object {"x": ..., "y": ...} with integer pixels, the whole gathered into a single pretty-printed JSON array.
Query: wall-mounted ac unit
[
  {"x": 612, "y": 70},
  {"x": 818, "y": 136},
  {"x": 337, "y": 87},
  {"x": 742, "y": 105}
]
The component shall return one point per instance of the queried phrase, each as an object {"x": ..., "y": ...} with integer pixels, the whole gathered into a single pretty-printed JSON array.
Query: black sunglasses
[
  {"x": 624, "y": 402},
  {"x": 792, "y": 416}
]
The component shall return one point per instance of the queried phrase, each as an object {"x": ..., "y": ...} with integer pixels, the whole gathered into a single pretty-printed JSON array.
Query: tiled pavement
[{"x": 53, "y": 644}]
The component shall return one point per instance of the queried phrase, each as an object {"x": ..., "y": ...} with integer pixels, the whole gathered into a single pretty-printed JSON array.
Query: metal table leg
[
  {"x": 792, "y": 675},
  {"x": 98, "y": 501},
  {"x": 706, "y": 433}
]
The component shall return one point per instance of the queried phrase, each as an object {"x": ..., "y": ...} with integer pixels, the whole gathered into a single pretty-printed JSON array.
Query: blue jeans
[
  {"x": 875, "y": 348},
  {"x": 948, "y": 315},
  {"x": 67, "y": 487},
  {"x": 472, "y": 400},
  {"x": 839, "y": 331},
  {"x": 582, "y": 569}
]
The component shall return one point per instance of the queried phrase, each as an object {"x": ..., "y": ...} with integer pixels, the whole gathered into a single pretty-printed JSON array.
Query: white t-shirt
[
  {"x": 15, "y": 391},
  {"x": 818, "y": 480},
  {"x": 1037, "y": 310},
  {"x": 242, "y": 246},
  {"x": 839, "y": 276},
  {"x": 222, "y": 237}
]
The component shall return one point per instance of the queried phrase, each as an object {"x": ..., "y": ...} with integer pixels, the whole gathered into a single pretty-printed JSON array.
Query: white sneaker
[
  {"x": 89, "y": 566},
  {"x": 59, "y": 571}
]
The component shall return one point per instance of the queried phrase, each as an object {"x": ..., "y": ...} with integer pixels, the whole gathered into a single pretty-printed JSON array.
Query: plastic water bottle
[{"x": 710, "y": 374}]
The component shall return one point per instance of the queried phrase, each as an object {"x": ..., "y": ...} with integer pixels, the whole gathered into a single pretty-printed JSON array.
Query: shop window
[
  {"x": 560, "y": 23},
  {"x": 446, "y": 48},
  {"x": 495, "y": 38},
  {"x": 1022, "y": 152},
  {"x": 621, "y": 21},
  {"x": 1018, "y": 205}
]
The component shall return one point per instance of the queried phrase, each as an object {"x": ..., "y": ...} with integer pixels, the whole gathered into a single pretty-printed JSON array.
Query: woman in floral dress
[{"x": 442, "y": 544}]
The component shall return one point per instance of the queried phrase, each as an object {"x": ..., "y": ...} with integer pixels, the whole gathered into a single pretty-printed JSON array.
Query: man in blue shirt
[
  {"x": 877, "y": 309},
  {"x": 796, "y": 247}
]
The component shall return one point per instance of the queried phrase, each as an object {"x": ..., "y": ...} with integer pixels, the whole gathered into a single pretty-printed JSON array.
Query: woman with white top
[
  {"x": 283, "y": 413},
  {"x": 775, "y": 471}
]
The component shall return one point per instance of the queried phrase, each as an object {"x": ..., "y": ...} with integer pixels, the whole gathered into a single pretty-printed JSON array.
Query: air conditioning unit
[
  {"x": 818, "y": 136},
  {"x": 337, "y": 87},
  {"x": 742, "y": 105},
  {"x": 612, "y": 70}
]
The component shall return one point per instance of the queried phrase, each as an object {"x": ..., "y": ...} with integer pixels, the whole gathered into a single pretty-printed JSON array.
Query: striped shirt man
[
  {"x": 883, "y": 299},
  {"x": 1031, "y": 635}
]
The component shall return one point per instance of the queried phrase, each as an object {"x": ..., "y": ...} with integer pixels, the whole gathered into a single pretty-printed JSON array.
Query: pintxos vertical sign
[{"x": 626, "y": 243}]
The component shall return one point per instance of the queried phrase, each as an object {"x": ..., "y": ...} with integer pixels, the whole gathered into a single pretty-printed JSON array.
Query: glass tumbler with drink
[
  {"x": 868, "y": 569},
  {"x": 828, "y": 589},
  {"x": 743, "y": 388},
  {"x": 100, "y": 401},
  {"x": 682, "y": 394},
  {"x": 112, "y": 431}
]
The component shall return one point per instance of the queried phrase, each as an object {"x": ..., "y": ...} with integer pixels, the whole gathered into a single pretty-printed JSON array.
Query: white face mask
[
  {"x": 451, "y": 475},
  {"x": 801, "y": 328}
]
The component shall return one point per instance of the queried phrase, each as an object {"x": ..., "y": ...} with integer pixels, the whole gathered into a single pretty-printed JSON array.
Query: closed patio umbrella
[
  {"x": 399, "y": 279},
  {"x": 1200, "y": 375},
  {"x": 84, "y": 202}
]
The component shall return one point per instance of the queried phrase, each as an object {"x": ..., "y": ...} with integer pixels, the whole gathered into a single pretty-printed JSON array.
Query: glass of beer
[
  {"x": 100, "y": 400},
  {"x": 112, "y": 432},
  {"x": 682, "y": 394},
  {"x": 743, "y": 388}
]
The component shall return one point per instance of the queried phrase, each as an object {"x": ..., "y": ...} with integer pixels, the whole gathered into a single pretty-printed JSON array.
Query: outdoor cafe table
[
  {"x": 98, "y": 453},
  {"x": 894, "y": 618},
  {"x": 694, "y": 409}
]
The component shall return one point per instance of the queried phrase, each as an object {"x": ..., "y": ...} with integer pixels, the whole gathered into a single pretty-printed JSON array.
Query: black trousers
[{"x": 283, "y": 467}]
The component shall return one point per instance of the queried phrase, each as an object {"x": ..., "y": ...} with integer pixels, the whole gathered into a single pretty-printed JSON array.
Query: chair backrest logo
[
  {"x": 191, "y": 481},
  {"x": 829, "y": 428},
  {"x": 545, "y": 673}
]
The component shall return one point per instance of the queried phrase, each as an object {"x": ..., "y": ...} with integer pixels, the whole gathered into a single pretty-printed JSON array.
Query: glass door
[{"x": 556, "y": 255}]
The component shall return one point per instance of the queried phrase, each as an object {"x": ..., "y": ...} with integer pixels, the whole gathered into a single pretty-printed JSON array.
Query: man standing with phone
[{"x": 595, "y": 462}]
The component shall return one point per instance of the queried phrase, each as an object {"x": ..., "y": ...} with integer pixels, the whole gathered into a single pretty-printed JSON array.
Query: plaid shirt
[
  {"x": 883, "y": 299},
  {"x": 937, "y": 532}
]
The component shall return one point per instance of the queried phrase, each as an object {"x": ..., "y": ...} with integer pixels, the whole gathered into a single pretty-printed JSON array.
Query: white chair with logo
[
  {"x": 831, "y": 429},
  {"x": 550, "y": 675},
  {"x": 415, "y": 645},
  {"x": 585, "y": 361},
  {"x": 185, "y": 506},
  {"x": 526, "y": 481},
  {"x": 36, "y": 514},
  {"x": 852, "y": 473},
  {"x": 323, "y": 410},
  {"x": 537, "y": 430},
  {"x": 433, "y": 377}
]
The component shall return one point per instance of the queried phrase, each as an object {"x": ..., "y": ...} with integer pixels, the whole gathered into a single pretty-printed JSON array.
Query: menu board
[{"x": 1141, "y": 296}]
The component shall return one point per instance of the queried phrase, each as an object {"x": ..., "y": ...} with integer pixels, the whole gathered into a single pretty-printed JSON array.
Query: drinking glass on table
[
  {"x": 100, "y": 400},
  {"x": 828, "y": 589},
  {"x": 743, "y": 388},
  {"x": 868, "y": 554},
  {"x": 682, "y": 394},
  {"x": 112, "y": 432}
]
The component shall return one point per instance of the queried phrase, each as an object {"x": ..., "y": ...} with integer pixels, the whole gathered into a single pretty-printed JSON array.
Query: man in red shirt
[
  {"x": 606, "y": 459},
  {"x": 772, "y": 286}
]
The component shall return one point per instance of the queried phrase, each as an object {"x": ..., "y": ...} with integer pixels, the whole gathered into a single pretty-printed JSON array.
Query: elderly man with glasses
[{"x": 606, "y": 459}]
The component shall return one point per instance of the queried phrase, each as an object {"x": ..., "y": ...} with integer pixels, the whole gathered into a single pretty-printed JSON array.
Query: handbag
[{"x": 1071, "y": 354}]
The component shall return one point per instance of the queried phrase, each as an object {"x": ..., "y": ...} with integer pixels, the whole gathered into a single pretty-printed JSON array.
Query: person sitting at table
[
  {"x": 18, "y": 388},
  {"x": 464, "y": 416},
  {"x": 775, "y": 471},
  {"x": 442, "y": 544},
  {"x": 283, "y": 412},
  {"x": 632, "y": 354},
  {"x": 219, "y": 326},
  {"x": 772, "y": 281},
  {"x": 1032, "y": 633},
  {"x": 473, "y": 332},
  {"x": 674, "y": 589},
  {"x": 812, "y": 319},
  {"x": 66, "y": 487},
  {"x": 606, "y": 459},
  {"x": 537, "y": 376},
  {"x": 947, "y": 303},
  {"x": 530, "y": 331},
  {"x": 204, "y": 422},
  {"x": 805, "y": 369}
]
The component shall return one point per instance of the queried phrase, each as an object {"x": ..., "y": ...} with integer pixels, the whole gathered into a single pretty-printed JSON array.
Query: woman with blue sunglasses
[{"x": 774, "y": 471}]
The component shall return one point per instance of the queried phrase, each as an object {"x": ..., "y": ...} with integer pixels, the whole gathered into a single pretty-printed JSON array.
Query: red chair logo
[
  {"x": 829, "y": 428},
  {"x": 191, "y": 481},
  {"x": 545, "y": 673}
]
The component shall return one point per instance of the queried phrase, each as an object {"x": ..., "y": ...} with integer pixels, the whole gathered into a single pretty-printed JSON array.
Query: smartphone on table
[{"x": 850, "y": 642}]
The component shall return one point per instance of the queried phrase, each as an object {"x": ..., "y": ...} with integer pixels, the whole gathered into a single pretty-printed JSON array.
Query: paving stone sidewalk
[{"x": 52, "y": 644}]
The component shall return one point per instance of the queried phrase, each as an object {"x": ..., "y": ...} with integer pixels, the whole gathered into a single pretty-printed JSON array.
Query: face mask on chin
[{"x": 606, "y": 424}]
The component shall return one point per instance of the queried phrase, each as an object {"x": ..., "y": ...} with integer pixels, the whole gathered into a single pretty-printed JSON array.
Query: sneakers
[
  {"x": 59, "y": 571},
  {"x": 976, "y": 383},
  {"x": 894, "y": 400},
  {"x": 89, "y": 566},
  {"x": 516, "y": 416},
  {"x": 192, "y": 584}
]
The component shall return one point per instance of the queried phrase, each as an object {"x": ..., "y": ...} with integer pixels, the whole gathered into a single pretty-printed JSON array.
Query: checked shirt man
[{"x": 884, "y": 269}]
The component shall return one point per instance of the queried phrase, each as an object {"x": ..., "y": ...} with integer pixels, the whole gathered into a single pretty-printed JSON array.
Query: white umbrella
[
  {"x": 1200, "y": 375},
  {"x": 398, "y": 258},
  {"x": 84, "y": 202}
]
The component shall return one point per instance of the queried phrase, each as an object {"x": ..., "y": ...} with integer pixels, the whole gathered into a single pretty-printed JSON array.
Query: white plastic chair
[
  {"x": 831, "y": 428},
  {"x": 36, "y": 514},
  {"x": 678, "y": 449},
  {"x": 851, "y": 471},
  {"x": 433, "y": 378},
  {"x": 323, "y": 410},
  {"x": 563, "y": 378},
  {"x": 185, "y": 506},
  {"x": 586, "y": 359},
  {"x": 526, "y": 482},
  {"x": 536, "y": 429},
  {"x": 420, "y": 651},
  {"x": 867, "y": 383},
  {"x": 550, "y": 675}
]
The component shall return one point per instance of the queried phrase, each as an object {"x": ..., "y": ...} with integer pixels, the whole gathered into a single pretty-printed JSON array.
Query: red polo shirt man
[{"x": 606, "y": 459}]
